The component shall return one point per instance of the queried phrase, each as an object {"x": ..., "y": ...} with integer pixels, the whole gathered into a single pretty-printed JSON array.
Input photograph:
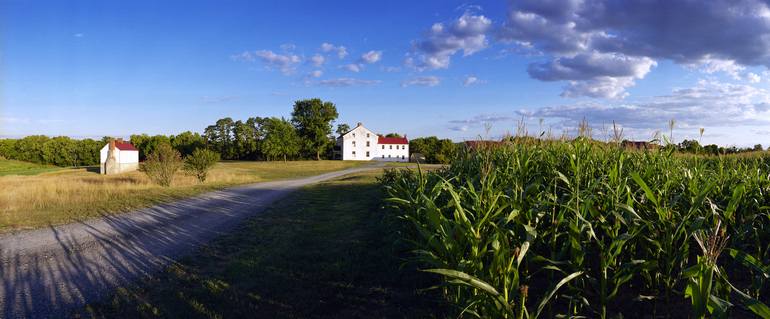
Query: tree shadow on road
[
  {"x": 322, "y": 252},
  {"x": 118, "y": 249}
]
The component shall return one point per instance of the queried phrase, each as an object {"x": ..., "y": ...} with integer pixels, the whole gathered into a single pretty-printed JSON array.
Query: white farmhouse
[
  {"x": 118, "y": 157},
  {"x": 361, "y": 144}
]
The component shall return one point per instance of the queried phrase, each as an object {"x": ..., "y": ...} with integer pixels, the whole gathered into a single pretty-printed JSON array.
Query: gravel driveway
[{"x": 48, "y": 272}]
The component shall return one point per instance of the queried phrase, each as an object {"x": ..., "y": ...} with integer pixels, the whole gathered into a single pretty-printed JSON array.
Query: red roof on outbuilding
[
  {"x": 392, "y": 140},
  {"x": 125, "y": 146}
]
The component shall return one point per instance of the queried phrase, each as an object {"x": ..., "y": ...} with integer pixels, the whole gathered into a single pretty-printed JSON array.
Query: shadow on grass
[
  {"x": 92, "y": 169},
  {"x": 322, "y": 252}
]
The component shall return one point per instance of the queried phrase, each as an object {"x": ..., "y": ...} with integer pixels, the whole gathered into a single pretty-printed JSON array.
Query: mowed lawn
[
  {"x": 10, "y": 167},
  {"x": 66, "y": 195},
  {"x": 325, "y": 251}
]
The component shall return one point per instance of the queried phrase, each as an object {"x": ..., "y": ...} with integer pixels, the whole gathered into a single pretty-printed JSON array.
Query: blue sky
[{"x": 445, "y": 68}]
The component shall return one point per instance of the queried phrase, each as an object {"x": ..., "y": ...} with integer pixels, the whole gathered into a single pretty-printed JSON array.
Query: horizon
[{"x": 434, "y": 68}]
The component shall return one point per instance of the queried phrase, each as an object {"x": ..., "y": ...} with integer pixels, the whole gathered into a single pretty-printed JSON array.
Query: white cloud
[
  {"x": 422, "y": 81},
  {"x": 594, "y": 74},
  {"x": 353, "y": 67},
  {"x": 391, "y": 69},
  {"x": 472, "y": 80},
  {"x": 459, "y": 128},
  {"x": 78, "y": 35},
  {"x": 483, "y": 118},
  {"x": 738, "y": 35},
  {"x": 710, "y": 66},
  {"x": 708, "y": 104},
  {"x": 341, "y": 51},
  {"x": 466, "y": 34},
  {"x": 753, "y": 77},
  {"x": 287, "y": 63},
  {"x": 477, "y": 121},
  {"x": 599, "y": 87},
  {"x": 344, "y": 82},
  {"x": 316, "y": 73},
  {"x": 371, "y": 56},
  {"x": 288, "y": 47},
  {"x": 318, "y": 60},
  {"x": 245, "y": 56}
]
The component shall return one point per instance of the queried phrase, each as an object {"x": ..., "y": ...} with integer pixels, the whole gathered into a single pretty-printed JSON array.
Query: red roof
[
  {"x": 392, "y": 140},
  {"x": 125, "y": 146}
]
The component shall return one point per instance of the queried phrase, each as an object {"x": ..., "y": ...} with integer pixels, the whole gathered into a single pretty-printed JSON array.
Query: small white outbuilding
[{"x": 118, "y": 157}]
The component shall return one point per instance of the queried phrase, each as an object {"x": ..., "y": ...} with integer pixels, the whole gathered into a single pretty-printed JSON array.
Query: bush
[
  {"x": 162, "y": 164},
  {"x": 200, "y": 162}
]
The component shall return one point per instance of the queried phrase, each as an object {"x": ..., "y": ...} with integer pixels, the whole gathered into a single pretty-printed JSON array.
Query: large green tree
[
  {"x": 281, "y": 139},
  {"x": 440, "y": 151},
  {"x": 87, "y": 152},
  {"x": 187, "y": 142},
  {"x": 244, "y": 143},
  {"x": 220, "y": 137},
  {"x": 257, "y": 130},
  {"x": 146, "y": 144},
  {"x": 342, "y": 129},
  {"x": 60, "y": 151},
  {"x": 313, "y": 119}
]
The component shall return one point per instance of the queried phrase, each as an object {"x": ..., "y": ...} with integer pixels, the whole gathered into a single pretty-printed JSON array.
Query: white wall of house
[
  {"x": 127, "y": 160},
  {"x": 122, "y": 157},
  {"x": 392, "y": 152},
  {"x": 359, "y": 144}
]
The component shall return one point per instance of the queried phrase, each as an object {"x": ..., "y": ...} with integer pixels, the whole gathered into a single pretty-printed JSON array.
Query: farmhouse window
[
  {"x": 367, "y": 143},
  {"x": 367, "y": 154},
  {"x": 391, "y": 147}
]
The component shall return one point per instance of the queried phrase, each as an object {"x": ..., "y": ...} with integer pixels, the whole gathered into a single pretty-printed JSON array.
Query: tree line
[
  {"x": 59, "y": 151},
  {"x": 306, "y": 135},
  {"x": 435, "y": 150},
  {"x": 694, "y": 147}
]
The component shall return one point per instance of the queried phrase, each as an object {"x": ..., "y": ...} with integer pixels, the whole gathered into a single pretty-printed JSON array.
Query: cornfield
[{"x": 585, "y": 229}]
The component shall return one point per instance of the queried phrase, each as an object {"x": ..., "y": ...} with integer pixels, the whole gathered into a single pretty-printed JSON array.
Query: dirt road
[{"x": 48, "y": 272}]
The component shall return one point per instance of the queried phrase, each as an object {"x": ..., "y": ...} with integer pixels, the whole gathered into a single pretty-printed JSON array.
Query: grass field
[
  {"x": 11, "y": 167},
  {"x": 314, "y": 254},
  {"x": 66, "y": 195}
]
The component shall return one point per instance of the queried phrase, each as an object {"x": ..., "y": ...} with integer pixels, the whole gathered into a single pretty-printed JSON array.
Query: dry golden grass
[{"x": 77, "y": 194}]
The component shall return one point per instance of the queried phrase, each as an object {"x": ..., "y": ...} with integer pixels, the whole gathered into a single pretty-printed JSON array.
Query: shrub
[
  {"x": 162, "y": 164},
  {"x": 200, "y": 162}
]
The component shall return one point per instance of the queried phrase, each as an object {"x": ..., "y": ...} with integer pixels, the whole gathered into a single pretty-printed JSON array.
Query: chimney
[
  {"x": 360, "y": 124},
  {"x": 120, "y": 140},
  {"x": 112, "y": 145}
]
